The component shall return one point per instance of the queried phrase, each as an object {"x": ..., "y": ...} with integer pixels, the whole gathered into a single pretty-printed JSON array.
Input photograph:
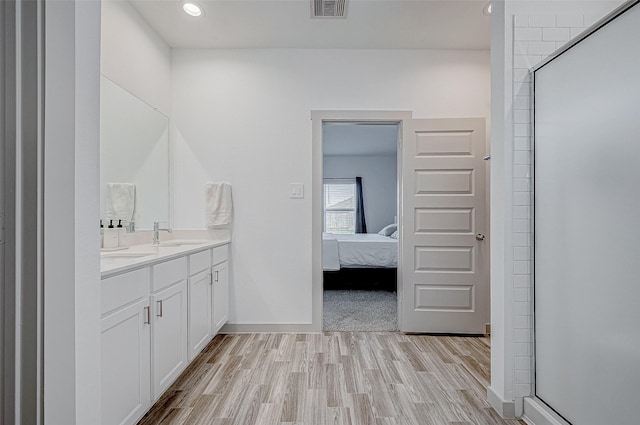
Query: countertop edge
[{"x": 145, "y": 262}]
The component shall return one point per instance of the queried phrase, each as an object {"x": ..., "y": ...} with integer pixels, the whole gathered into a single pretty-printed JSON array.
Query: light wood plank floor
[{"x": 337, "y": 378}]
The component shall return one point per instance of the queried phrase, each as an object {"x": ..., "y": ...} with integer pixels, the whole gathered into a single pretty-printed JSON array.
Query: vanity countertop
[{"x": 137, "y": 256}]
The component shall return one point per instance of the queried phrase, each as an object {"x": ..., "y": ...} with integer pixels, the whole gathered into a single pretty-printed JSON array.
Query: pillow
[
  {"x": 388, "y": 230},
  {"x": 394, "y": 235}
]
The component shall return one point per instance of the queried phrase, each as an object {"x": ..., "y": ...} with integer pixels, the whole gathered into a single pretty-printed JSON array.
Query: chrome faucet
[
  {"x": 156, "y": 232},
  {"x": 130, "y": 226}
]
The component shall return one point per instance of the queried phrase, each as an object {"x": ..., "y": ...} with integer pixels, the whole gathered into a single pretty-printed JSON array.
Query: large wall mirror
[{"x": 134, "y": 159}]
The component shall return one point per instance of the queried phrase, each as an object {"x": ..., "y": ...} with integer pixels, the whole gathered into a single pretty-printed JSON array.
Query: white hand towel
[
  {"x": 219, "y": 205},
  {"x": 120, "y": 201}
]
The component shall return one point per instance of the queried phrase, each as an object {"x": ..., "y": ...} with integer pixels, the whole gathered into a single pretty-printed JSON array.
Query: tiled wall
[{"x": 534, "y": 38}]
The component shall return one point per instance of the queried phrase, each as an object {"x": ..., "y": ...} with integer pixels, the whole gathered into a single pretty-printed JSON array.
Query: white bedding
[
  {"x": 330, "y": 256},
  {"x": 359, "y": 250}
]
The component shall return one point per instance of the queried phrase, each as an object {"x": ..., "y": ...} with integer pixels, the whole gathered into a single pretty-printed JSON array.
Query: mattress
[
  {"x": 330, "y": 256},
  {"x": 359, "y": 250}
]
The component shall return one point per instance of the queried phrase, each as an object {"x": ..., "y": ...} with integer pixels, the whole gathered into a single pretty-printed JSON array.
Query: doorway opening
[
  {"x": 443, "y": 251},
  {"x": 360, "y": 226}
]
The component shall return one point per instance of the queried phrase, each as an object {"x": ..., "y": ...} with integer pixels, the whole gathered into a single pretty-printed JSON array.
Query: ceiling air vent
[{"x": 328, "y": 8}]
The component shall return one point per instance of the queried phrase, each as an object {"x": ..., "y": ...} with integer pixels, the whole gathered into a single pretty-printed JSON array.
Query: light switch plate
[{"x": 296, "y": 190}]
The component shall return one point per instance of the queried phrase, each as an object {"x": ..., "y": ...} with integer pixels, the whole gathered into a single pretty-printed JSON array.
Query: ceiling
[
  {"x": 359, "y": 139},
  {"x": 370, "y": 24}
]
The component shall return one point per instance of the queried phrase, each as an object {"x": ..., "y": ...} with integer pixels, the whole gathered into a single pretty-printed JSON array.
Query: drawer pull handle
[
  {"x": 160, "y": 308},
  {"x": 147, "y": 315}
]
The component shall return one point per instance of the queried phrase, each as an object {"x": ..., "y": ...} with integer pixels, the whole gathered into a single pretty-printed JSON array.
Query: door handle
[
  {"x": 480, "y": 237},
  {"x": 147, "y": 315},
  {"x": 159, "y": 308},
  {"x": 216, "y": 275}
]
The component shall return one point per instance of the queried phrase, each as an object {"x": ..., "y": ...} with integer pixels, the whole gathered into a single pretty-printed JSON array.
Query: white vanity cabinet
[
  {"x": 220, "y": 275},
  {"x": 169, "y": 335},
  {"x": 169, "y": 323},
  {"x": 126, "y": 345},
  {"x": 156, "y": 317},
  {"x": 200, "y": 306}
]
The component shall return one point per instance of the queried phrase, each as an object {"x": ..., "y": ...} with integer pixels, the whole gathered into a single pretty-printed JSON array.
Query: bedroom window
[{"x": 340, "y": 207}]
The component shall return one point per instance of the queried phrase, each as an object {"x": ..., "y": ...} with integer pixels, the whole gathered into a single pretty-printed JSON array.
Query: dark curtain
[{"x": 361, "y": 223}]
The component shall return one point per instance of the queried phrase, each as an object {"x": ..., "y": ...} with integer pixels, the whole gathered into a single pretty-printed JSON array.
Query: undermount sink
[
  {"x": 124, "y": 256},
  {"x": 182, "y": 243}
]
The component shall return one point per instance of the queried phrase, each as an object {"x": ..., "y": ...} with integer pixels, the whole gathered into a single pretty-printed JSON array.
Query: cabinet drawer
[
  {"x": 166, "y": 274},
  {"x": 220, "y": 254},
  {"x": 122, "y": 289},
  {"x": 199, "y": 262}
]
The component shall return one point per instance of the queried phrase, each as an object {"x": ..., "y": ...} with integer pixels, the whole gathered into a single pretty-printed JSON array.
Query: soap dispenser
[
  {"x": 110, "y": 236},
  {"x": 101, "y": 234},
  {"x": 123, "y": 235}
]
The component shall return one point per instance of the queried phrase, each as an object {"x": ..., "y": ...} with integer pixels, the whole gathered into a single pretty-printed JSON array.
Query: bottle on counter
[
  {"x": 123, "y": 236},
  {"x": 101, "y": 234},
  {"x": 110, "y": 236}
]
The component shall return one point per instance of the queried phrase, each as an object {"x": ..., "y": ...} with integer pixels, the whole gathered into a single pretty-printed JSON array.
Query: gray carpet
[{"x": 360, "y": 311}]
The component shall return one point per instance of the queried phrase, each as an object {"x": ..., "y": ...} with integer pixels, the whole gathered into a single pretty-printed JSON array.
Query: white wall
[
  {"x": 71, "y": 271},
  {"x": 379, "y": 184},
  {"x": 134, "y": 55},
  {"x": 243, "y": 116},
  {"x": 523, "y": 33}
]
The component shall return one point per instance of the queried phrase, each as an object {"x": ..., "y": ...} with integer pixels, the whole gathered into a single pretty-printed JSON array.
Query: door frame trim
[{"x": 318, "y": 118}]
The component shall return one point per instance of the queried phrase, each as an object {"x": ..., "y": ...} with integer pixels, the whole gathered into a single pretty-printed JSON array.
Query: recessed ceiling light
[
  {"x": 192, "y": 8},
  {"x": 487, "y": 9}
]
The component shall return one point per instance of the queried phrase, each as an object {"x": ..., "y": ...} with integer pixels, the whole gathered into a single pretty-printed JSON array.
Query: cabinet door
[
  {"x": 169, "y": 335},
  {"x": 199, "y": 312},
  {"x": 220, "y": 295},
  {"x": 126, "y": 364}
]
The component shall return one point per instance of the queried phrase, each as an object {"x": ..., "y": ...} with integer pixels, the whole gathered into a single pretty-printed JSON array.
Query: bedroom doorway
[
  {"x": 442, "y": 213},
  {"x": 360, "y": 225}
]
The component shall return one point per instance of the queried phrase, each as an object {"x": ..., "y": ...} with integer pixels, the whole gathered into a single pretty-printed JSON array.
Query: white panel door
[
  {"x": 220, "y": 295},
  {"x": 199, "y": 312},
  {"x": 169, "y": 335},
  {"x": 444, "y": 252},
  {"x": 126, "y": 364}
]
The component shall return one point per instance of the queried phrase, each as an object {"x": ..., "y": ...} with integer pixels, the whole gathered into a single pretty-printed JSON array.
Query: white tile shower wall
[{"x": 534, "y": 38}]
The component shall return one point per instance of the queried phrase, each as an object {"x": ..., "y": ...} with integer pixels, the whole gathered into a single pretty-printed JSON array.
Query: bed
[
  {"x": 359, "y": 250},
  {"x": 363, "y": 259}
]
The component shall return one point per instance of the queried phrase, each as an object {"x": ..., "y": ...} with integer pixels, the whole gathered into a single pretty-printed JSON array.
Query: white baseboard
[
  {"x": 231, "y": 328},
  {"x": 506, "y": 409},
  {"x": 537, "y": 413}
]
